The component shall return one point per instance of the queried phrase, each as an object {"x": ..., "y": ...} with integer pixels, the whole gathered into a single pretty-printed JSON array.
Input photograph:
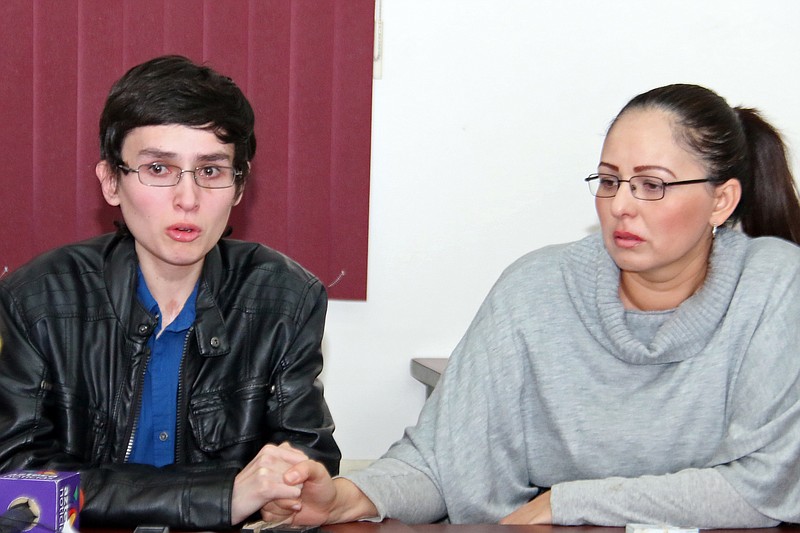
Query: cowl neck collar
[{"x": 592, "y": 280}]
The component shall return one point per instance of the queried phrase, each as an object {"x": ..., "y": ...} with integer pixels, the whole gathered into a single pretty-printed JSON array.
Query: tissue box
[
  {"x": 655, "y": 528},
  {"x": 54, "y": 497}
]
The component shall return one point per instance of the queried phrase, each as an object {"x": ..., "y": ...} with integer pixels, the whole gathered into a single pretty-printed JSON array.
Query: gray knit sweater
[{"x": 689, "y": 417}]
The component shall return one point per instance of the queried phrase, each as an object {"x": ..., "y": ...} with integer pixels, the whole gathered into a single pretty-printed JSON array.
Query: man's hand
[
  {"x": 536, "y": 511},
  {"x": 316, "y": 499},
  {"x": 261, "y": 481}
]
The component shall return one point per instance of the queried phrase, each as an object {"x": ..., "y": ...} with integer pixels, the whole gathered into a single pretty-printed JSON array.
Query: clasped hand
[
  {"x": 272, "y": 484},
  {"x": 261, "y": 481},
  {"x": 285, "y": 486}
]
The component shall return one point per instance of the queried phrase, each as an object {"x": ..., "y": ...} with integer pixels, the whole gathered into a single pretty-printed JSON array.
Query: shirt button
[
  {"x": 215, "y": 342},
  {"x": 163, "y": 436}
]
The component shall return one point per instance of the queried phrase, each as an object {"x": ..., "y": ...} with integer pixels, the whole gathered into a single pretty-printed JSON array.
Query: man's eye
[
  {"x": 158, "y": 169},
  {"x": 209, "y": 172}
]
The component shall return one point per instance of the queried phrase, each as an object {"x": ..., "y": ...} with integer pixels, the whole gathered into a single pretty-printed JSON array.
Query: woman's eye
[
  {"x": 652, "y": 185},
  {"x": 608, "y": 183}
]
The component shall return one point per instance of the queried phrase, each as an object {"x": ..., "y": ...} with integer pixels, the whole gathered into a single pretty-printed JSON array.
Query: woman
[{"x": 647, "y": 374}]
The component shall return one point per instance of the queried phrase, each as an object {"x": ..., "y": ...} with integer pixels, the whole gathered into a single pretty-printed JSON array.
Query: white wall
[{"x": 487, "y": 117}]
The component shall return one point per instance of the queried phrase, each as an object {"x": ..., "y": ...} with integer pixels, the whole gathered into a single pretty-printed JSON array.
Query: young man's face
[{"x": 174, "y": 227}]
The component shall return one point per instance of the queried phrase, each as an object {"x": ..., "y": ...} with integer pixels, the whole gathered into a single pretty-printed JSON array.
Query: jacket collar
[
  {"x": 212, "y": 335},
  {"x": 119, "y": 271}
]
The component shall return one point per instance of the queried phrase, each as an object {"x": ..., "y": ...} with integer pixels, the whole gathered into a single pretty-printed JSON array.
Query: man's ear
[
  {"x": 727, "y": 197},
  {"x": 238, "y": 197},
  {"x": 108, "y": 182}
]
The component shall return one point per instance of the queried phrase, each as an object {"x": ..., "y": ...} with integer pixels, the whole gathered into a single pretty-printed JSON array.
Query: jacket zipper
[
  {"x": 137, "y": 405},
  {"x": 182, "y": 403}
]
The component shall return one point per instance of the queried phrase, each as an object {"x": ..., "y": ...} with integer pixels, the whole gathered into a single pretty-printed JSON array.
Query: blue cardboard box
[{"x": 54, "y": 498}]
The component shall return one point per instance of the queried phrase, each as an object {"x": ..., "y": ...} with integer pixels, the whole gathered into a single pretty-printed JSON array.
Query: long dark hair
[{"x": 734, "y": 143}]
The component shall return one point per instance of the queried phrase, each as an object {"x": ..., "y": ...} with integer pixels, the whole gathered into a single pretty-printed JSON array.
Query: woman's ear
[
  {"x": 727, "y": 197},
  {"x": 108, "y": 182}
]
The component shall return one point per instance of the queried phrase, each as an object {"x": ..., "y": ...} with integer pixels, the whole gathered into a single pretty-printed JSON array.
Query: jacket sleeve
[
  {"x": 180, "y": 496},
  {"x": 301, "y": 416},
  {"x": 192, "y": 496},
  {"x": 26, "y": 436}
]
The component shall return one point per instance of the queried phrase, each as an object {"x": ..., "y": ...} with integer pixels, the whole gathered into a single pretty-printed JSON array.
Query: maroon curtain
[{"x": 305, "y": 65}]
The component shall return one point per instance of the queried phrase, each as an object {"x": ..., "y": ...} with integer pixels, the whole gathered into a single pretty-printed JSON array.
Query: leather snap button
[
  {"x": 272, "y": 389},
  {"x": 215, "y": 342},
  {"x": 143, "y": 328}
]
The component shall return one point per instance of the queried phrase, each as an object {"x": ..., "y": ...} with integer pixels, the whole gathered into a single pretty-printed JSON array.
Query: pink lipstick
[{"x": 624, "y": 239}]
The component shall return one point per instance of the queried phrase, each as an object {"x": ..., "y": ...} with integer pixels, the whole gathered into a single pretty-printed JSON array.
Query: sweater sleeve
[
  {"x": 464, "y": 459},
  {"x": 401, "y": 491},
  {"x": 690, "y": 498}
]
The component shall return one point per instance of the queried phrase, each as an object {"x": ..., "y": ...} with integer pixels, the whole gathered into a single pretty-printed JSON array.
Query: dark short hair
[{"x": 174, "y": 90}]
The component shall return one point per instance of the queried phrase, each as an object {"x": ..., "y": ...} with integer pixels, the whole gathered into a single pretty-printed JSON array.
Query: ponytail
[{"x": 770, "y": 204}]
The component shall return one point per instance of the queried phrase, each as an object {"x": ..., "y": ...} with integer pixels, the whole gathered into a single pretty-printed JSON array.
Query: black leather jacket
[{"x": 72, "y": 360}]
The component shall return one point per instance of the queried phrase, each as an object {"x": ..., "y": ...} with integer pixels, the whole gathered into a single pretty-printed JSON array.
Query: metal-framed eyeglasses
[
  {"x": 164, "y": 175},
  {"x": 647, "y": 188}
]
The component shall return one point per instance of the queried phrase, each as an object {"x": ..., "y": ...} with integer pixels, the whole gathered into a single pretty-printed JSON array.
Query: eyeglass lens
[
  {"x": 642, "y": 187},
  {"x": 163, "y": 175}
]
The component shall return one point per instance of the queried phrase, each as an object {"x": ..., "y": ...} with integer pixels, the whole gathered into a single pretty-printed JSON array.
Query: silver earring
[{"x": 714, "y": 231}]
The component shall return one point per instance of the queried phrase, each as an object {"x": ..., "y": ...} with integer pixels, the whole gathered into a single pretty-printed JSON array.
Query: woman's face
[{"x": 662, "y": 240}]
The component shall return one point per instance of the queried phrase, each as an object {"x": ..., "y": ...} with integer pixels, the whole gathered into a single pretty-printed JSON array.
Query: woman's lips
[
  {"x": 623, "y": 239},
  {"x": 183, "y": 232}
]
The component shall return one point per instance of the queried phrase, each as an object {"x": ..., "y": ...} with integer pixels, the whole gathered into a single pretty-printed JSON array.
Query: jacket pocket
[
  {"x": 228, "y": 417},
  {"x": 80, "y": 429}
]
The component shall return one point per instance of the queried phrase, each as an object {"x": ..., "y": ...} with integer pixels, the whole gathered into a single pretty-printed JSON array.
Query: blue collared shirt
[{"x": 154, "y": 442}]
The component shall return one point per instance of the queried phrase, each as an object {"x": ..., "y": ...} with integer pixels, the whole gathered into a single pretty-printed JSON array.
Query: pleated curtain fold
[{"x": 305, "y": 65}]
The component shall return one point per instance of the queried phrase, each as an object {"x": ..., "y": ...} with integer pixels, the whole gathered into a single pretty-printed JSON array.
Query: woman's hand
[
  {"x": 316, "y": 500},
  {"x": 536, "y": 511},
  {"x": 322, "y": 501}
]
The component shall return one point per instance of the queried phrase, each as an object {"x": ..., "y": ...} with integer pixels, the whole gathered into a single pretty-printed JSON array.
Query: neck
[
  {"x": 660, "y": 291},
  {"x": 171, "y": 288}
]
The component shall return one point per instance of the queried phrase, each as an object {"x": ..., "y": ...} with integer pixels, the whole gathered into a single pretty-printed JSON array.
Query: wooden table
[
  {"x": 428, "y": 370},
  {"x": 393, "y": 526}
]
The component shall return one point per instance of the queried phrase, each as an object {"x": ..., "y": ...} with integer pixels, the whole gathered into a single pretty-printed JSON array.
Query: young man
[{"x": 161, "y": 361}]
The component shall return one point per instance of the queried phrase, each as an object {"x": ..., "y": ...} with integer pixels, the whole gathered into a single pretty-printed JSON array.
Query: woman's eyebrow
[{"x": 644, "y": 168}]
